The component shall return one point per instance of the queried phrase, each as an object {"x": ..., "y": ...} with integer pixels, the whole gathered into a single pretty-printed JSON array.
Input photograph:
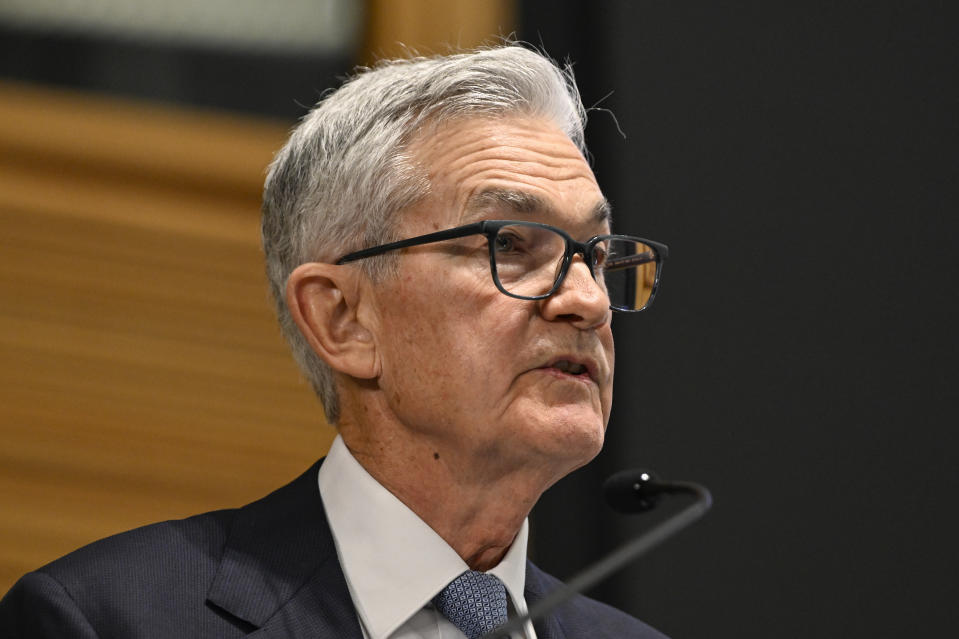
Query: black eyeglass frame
[{"x": 490, "y": 228}]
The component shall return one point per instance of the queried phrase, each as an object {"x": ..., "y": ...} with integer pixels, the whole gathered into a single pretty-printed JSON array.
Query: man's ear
[{"x": 324, "y": 301}]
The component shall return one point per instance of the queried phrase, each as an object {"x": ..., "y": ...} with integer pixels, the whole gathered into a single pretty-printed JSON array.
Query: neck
[{"x": 475, "y": 500}]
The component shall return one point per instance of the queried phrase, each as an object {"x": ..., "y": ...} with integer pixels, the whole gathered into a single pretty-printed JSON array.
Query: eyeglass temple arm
[
  {"x": 631, "y": 260},
  {"x": 449, "y": 234}
]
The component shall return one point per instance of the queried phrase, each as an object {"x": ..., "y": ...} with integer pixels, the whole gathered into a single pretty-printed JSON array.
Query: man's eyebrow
[
  {"x": 518, "y": 201},
  {"x": 603, "y": 213},
  {"x": 522, "y": 202}
]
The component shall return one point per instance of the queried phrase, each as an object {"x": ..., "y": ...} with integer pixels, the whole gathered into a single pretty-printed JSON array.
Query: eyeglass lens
[{"x": 528, "y": 261}]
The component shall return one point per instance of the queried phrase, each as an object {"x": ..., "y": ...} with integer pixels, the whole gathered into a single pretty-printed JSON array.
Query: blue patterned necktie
[{"x": 474, "y": 602}]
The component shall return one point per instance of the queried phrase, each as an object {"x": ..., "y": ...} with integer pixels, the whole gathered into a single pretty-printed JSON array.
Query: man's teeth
[{"x": 569, "y": 367}]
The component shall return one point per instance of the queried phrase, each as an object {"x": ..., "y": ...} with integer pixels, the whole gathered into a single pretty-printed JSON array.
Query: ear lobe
[{"x": 323, "y": 300}]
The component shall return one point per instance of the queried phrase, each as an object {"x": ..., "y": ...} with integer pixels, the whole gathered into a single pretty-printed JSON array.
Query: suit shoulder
[
  {"x": 583, "y": 616},
  {"x": 151, "y": 552},
  {"x": 151, "y": 577},
  {"x": 39, "y": 606}
]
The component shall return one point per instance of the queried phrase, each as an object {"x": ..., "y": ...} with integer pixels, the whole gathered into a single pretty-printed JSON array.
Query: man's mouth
[
  {"x": 573, "y": 367},
  {"x": 569, "y": 367}
]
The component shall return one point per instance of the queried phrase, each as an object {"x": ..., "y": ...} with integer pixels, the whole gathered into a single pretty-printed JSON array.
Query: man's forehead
[
  {"x": 525, "y": 205},
  {"x": 511, "y": 167}
]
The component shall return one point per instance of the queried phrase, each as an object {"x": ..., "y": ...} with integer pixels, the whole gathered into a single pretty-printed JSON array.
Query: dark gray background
[{"x": 800, "y": 161}]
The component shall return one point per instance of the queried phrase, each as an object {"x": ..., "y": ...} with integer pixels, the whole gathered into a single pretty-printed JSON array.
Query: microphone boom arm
[{"x": 619, "y": 558}]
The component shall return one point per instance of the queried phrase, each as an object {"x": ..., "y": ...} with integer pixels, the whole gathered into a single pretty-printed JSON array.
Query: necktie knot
[{"x": 474, "y": 602}]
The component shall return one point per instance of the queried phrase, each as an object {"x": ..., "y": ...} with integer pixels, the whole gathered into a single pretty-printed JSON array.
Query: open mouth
[{"x": 572, "y": 368}]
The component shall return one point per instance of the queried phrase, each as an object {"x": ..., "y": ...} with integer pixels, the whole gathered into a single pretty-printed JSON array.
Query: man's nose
[{"x": 580, "y": 299}]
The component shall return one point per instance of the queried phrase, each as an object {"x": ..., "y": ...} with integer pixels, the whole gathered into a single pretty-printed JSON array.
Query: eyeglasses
[{"x": 529, "y": 261}]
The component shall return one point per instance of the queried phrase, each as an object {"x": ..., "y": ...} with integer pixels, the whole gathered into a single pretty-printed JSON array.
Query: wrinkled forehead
[
  {"x": 516, "y": 167},
  {"x": 523, "y": 205}
]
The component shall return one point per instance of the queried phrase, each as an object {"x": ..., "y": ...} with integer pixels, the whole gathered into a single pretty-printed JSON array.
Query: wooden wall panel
[
  {"x": 394, "y": 27},
  {"x": 142, "y": 375}
]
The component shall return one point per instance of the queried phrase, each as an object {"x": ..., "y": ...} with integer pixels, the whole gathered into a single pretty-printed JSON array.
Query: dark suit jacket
[{"x": 268, "y": 569}]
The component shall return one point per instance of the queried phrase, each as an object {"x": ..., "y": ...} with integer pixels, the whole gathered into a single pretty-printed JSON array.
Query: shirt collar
[{"x": 394, "y": 563}]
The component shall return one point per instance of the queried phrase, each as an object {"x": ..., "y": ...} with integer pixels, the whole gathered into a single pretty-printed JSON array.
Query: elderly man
[{"x": 441, "y": 257}]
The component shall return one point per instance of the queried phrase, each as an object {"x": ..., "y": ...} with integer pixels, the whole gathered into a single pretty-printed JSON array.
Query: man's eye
[
  {"x": 600, "y": 256},
  {"x": 506, "y": 242}
]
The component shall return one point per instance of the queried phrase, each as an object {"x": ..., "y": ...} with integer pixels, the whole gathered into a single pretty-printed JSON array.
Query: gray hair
[{"x": 345, "y": 171}]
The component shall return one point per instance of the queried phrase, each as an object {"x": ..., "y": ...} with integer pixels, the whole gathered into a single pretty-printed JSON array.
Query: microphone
[
  {"x": 628, "y": 491},
  {"x": 638, "y": 491}
]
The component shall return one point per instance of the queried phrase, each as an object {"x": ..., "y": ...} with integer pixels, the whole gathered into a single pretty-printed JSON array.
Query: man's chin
[{"x": 571, "y": 437}]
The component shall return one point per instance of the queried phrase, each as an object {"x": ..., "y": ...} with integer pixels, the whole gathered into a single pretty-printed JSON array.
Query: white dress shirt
[{"x": 394, "y": 563}]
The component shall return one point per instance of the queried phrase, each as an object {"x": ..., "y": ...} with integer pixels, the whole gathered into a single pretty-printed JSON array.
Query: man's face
[{"x": 479, "y": 376}]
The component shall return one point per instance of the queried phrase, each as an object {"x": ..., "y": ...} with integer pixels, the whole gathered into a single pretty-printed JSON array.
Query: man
[{"x": 439, "y": 251}]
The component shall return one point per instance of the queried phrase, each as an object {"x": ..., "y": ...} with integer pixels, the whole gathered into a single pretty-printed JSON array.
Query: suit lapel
[
  {"x": 321, "y": 609},
  {"x": 536, "y": 588},
  {"x": 279, "y": 570}
]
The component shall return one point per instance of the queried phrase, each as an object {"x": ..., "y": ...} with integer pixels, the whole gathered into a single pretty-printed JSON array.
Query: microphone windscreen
[{"x": 632, "y": 491}]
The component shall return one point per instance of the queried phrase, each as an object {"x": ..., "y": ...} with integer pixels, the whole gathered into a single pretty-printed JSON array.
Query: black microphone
[
  {"x": 628, "y": 491},
  {"x": 638, "y": 491}
]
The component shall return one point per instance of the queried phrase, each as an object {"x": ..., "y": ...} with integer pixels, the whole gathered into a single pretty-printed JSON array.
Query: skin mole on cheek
[{"x": 436, "y": 455}]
